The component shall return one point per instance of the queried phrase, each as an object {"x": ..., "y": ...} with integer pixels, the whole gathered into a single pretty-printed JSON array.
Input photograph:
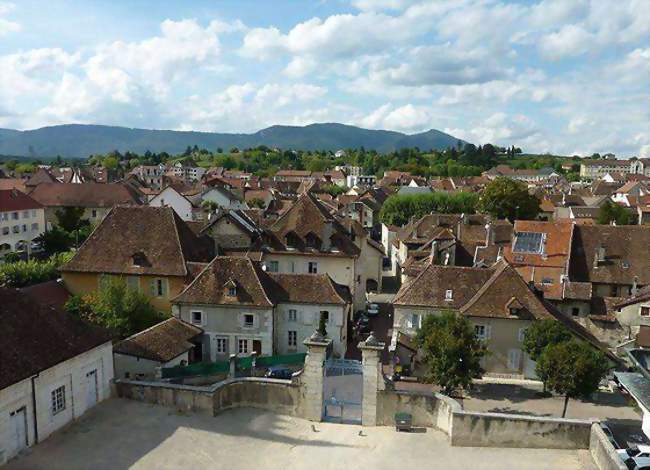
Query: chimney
[
  {"x": 489, "y": 234},
  {"x": 434, "y": 251},
  {"x": 635, "y": 287}
]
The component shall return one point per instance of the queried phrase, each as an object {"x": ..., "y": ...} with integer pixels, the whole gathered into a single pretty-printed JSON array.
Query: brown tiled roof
[
  {"x": 51, "y": 293},
  {"x": 14, "y": 200},
  {"x": 37, "y": 337},
  {"x": 157, "y": 234},
  {"x": 556, "y": 247},
  {"x": 41, "y": 176},
  {"x": 83, "y": 195},
  {"x": 505, "y": 288},
  {"x": 626, "y": 254},
  {"x": 577, "y": 290},
  {"x": 210, "y": 287},
  {"x": 308, "y": 288},
  {"x": 429, "y": 288},
  {"x": 13, "y": 183},
  {"x": 641, "y": 296},
  {"x": 162, "y": 342}
]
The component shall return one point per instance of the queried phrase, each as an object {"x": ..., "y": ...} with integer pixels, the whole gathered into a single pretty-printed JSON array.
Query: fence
[{"x": 223, "y": 367}]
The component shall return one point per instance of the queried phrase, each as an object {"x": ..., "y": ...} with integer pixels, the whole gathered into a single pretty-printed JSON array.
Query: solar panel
[{"x": 528, "y": 242}]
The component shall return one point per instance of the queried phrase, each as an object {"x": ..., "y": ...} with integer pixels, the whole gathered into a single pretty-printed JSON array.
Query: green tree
[
  {"x": 543, "y": 333},
  {"x": 55, "y": 240},
  {"x": 117, "y": 307},
  {"x": 452, "y": 353},
  {"x": 70, "y": 218},
  {"x": 573, "y": 369},
  {"x": 611, "y": 212},
  {"x": 398, "y": 210},
  {"x": 27, "y": 273},
  {"x": 505, "y": 198}
]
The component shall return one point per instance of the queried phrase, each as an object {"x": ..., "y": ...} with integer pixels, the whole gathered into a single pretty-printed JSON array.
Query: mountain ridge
[{"x": 82, "y": 140}]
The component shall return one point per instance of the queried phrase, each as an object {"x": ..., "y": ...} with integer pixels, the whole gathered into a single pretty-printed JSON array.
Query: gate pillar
[
  {"x": 312, "y": 376},
  {"x": 371, "y": 349}
]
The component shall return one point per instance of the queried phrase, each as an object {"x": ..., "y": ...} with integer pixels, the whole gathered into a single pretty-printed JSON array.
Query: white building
[
  {"x": 22, "y": 219},
  {"x": 169, "y": 197},
  {"x": 223, "y": 198},
  {"x": 43, "y": 388}
]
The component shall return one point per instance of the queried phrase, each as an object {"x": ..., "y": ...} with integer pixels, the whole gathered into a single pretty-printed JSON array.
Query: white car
[
  {"x": 638, "y": 463},
  {"x": 640, "y": 451},
  {"x": 372, "y": 310}
]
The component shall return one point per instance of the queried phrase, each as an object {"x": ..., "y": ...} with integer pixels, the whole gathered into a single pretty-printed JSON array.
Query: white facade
[
  {"x": 131, "y": 367},
  {"x": 169, "y": 197},
  {"x": 222, "y": 199},
  {"x": 62, "y": 393},
  {"x": 20, "y": 228}
]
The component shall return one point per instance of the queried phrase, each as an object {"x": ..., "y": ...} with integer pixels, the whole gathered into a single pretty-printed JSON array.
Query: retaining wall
[
  {"x": 603, "y": 452},
  {"x": 427, "y": 409}
]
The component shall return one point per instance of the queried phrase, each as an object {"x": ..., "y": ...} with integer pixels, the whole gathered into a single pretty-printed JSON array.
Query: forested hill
[{"x": 79, "y": 141}]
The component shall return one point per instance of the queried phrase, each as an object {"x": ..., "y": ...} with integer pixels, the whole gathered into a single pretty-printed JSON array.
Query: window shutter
[
  {"x": 488, "y": 331},
  {"x": 164, "y": 287},
  {"x": 152, "y": 287}
]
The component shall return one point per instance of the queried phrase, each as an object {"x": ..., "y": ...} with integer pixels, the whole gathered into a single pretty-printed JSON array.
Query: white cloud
[
  {"x": 402, "y": 118},
  {"x": 7, "y": 26},
  {"x": 376, "y": 5},
  {"x": 571, "y": 40},
  {"x": 644, "y": 152}
]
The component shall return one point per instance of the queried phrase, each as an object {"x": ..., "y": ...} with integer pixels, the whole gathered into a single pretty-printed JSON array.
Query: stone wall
[
  {"x": 602, "y": 451},
  {"x": 471, "y": 429},
  {"x": 428, "y": 409},
  {"x": 279, "y": 396}
]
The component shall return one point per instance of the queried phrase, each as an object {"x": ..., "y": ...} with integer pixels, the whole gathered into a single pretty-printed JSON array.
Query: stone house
[
  {"x": 634, "y": 312},
  {"x": 243, "y": 309},
  {"x": 496, "y": 300},
  {"x": 53, "y": 369},
  {"x": 167, "y": 344},
  {"x": 22, "y": 219},
  {"x": 150, "y": 247},
  {"x": 97, "y": 199}
]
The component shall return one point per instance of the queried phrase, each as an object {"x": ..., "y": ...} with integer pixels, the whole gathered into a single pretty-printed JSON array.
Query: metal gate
[{"x": 342, "y": 391}]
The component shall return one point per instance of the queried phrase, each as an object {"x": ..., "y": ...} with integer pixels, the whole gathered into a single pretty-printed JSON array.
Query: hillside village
[{"x": 238, "y": 271}]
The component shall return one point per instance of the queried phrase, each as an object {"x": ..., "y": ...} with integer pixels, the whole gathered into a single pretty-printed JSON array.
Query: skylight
[{"x": 528, "y": 242}]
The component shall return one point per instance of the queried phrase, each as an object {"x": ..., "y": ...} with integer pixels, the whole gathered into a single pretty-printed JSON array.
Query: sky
[{"x": 561, "y": 76}]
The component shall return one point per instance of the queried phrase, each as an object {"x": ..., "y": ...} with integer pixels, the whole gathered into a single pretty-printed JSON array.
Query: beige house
[
  {"x": 243, "y": 309},
  {"x": 150, "y": 247},
  {"x": 497, "y": 301}
]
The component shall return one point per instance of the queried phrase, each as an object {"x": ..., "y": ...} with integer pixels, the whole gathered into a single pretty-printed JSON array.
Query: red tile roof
[{"x": 14, "y": 200}]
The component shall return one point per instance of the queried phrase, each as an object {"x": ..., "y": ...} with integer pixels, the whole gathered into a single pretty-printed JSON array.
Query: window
[
  {"x": 24, "y": 227},
  {"x": 273, "y": 266},
  {"x": 293, "y": 315},
  {"x": 613, "y": 291},
  {"x": 196, "y": 317},
  {"x": 414, "y": 321},
  {"x": 34, "y": 227},
  {"x": 312, "y": 267},
  {"x": 521, "y": 335},
  {"x": 159, "y": 287},
  {"x": 14, "y": 216},
  {"x": 15, "y": 229},
  {"x": 645, "y": 311},
  {"x": 221, "y": 345},
  {"x": 547, "y": 281},
  {"x": 449, "y": 294},
  {"x": 133, "y": 282},
  {"x": 232, "y": 291},
  {"x": 58, "y": 400},
  {"x": 575, "y": 311},
  {"x": 293, "y": 339},
  {"x": 249, "y": 320},
  {"x": 482, "y": 332},
  {"x": 33, "y": 212},
  {"x": 326, "y": 315},
  {"x": 529, "y": 242},
  {"x": 242, "y": 346},
  {"x": 5, "y": 230},
  {"x": 5, "y": 216},
  {"x": 94, "y": 213},
  {"x": 25, "y": 214}
]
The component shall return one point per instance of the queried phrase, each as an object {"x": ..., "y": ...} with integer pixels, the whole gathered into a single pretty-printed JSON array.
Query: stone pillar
[
  {"x": 371, "y": 349},
  {"x": 312, "y": 376},
  {"x": 233, "y": 366}
]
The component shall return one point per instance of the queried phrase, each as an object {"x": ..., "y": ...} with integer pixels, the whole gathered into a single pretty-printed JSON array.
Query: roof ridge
[
  {"x": 479, "y": 293},
  {"x": 178, "y": 237}
]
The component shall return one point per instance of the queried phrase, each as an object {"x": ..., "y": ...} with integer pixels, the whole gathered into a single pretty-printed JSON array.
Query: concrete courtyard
[{"x": 121, "y": 434}]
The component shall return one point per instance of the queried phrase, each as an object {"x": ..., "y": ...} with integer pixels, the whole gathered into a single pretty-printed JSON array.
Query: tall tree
[
  {"x": 543, "y": 333},
  {"x": 505, "y": 198},
  {"x": 452, "y": 353},
  {"x": 573, "y": 369},
  {"x": 611, "y": 212}
]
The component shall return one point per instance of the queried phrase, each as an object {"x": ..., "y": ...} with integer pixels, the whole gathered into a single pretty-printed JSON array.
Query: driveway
[
  {"x": 122, "y": 434},
  {"x": 381, "y": 325}
]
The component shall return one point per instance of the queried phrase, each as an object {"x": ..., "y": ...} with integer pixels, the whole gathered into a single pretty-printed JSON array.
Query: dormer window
[
  {"x": 449, "y": 295},
  {"x": 231, "y": 288},
  {"x": 292, "y": 240},
  {"x": 140, "y": 259},
  {"x": 312, "y": 240}
]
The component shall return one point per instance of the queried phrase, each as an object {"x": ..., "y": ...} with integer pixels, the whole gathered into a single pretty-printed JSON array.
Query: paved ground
[
  {"x": 122, "y": 434},
  {"x": 381, "y": 325}
]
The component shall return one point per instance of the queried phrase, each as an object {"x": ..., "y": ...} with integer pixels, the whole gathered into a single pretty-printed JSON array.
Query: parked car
[
  {"x": 634, "y": 451},
  {"x": 638, "y": 463},
  {"x": 372, "y": 310},
  {"x": 610, "y": 435},
  {"x": 279, "y": 372}
]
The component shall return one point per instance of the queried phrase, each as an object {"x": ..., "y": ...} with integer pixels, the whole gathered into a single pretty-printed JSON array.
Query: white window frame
[
  {"x": 245, "y": 324},
  {"x": 201, "y": 319},
  {"x": 292, "y": 315},
  {"x": 521, "y": 334},
  {"x": 414, "y": 321},
  {"x": 449, "y": 295},
  {"x": 292, "y": 338},
  {"x": 240, "y": 349},
  {"x": 58, "y": 403},
  {"x": 221, "y": 344},
  {"x": 484, "y": 335},
  {"x": 273, "y": 266},
  {"x": 312, "y": 267}
]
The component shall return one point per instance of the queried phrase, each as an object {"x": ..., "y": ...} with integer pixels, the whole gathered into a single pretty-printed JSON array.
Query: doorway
[
  {"x": 91, "y": 389},
  {"x": 18, "y": 423},
  {"x": 257, "y": 347}
]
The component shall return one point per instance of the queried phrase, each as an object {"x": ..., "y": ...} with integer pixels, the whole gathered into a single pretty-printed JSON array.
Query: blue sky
[{"x": 564, "y": 76}]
